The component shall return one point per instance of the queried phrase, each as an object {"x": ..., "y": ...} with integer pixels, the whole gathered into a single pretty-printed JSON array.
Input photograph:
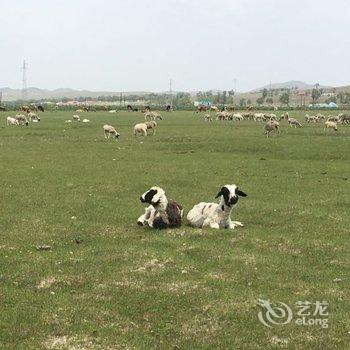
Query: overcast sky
[{"x": 138, "y": 45}]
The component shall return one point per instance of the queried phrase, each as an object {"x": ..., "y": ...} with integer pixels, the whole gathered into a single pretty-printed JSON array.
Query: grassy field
[{"x": 108, "y": 284}]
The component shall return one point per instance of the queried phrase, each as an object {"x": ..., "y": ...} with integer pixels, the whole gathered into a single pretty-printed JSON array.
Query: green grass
[{"x": 126, "y": 286}]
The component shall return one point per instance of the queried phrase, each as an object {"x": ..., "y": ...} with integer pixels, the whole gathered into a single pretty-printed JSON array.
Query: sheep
[
  {"x": 208, "y": 118},
  {"x": 311, "y": 118},
  {"x": 294, "y": 122},
  {"x": 109, "y": 131},
  {"x": 161, "y": 213},
  {"x": 344, "y": 119},
  {"x": 330, "y": 125},
  {"x": 332, "y": 118},
  {"x": 76, "y": 118},
  {"x": 86, "y": 121},
  {"x": 152, "y": 126},
  {"x": 214, "y": 108},
  {"x": 237, "y": 116},
  {"x": 259, "y": 117},
  {"x": 112, "y": 111},
  {"x": 140, "y": 128},
  {"x": 152, "y": 116},
  {"x": 22, "y": 120},
  {"x": 11, "y": 121},
  {"x": 33, "y": 117},
  {"x": 68, "y": 121},
  {"x": 79, "y": 110},
  {"x": 217, "y": 215},
  {"x": 272, "y": 127},
  {"x": 221, "y": 116}
]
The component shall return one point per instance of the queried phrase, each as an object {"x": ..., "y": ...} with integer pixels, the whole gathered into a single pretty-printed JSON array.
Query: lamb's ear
[
  {"x": 220, "y": 193},
  {"x": 240, "y": 193},
  {"x": 156, "y": 197}
]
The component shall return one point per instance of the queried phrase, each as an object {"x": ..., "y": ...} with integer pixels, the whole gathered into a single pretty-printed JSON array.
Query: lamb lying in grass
[
  {"x": 162, "y": 213},
  {"x": 217, "y": 215}
]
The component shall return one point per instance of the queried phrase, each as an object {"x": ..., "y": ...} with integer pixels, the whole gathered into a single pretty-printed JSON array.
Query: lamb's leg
[
  {"x": 236, "y": 223},
  {"x": 147, "y": 216},
  {"x": 211, "y": 224}
]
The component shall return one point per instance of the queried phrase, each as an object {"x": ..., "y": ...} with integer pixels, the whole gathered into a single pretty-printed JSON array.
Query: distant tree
[
  {"x": 315, "y": 95},
  {"x": 269, "y": 100},
  {"x": 260, "y": 101},
  {"x": 224, "y": 97},
  {"x": 264, "y": 93},
  {"x": 331, "y": 99},
  {"x": 249, "y": 102},
  {"x": 284, "y": 98},
  {"x": 242, "y": 102}
]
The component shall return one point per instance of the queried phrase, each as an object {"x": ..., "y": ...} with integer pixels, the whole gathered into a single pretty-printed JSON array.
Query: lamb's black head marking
[
  {"x": 230, "y": 194},
  {"x": 148, "y": 196},
  {"x": 240, "y": 193}
]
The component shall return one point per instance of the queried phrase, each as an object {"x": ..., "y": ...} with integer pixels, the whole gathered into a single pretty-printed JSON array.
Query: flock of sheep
[
  {"x": 272, "y": 121},
  {"x": 272, "y": 125},
  {"x": 141, "y": 128}
]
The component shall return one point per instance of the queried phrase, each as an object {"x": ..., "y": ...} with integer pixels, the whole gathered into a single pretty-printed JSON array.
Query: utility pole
[
  {"x": 24, "y": 81},
  {"x": 171, "y": 93}
]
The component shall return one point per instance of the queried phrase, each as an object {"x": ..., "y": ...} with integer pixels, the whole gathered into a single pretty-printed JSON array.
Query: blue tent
[{"x": 333, "y": 105}]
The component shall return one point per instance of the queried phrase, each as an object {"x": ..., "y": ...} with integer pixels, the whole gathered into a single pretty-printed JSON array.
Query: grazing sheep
[
  {"x": 332, "y": 118},
  {"x": 330, "y": 125},
  {"x": 33, "y": 117},
  {"x": 217, "y": 215},
  {"x": 113, "y": 111},
  {"x": 86, "y": 121},
  {"x": 237, "y": 116},
  {"x": 76, "y": 118},
  {"x": 311, "y": 118},
  {"x": 79, "y": 110},
  {"x": 221, "y": 115},
  {"x": 152, "y": 116},
  {"x": 214, "y": 108},
  {"x": 344, "y": 119},
  {"x": 22, "y": 120},
  {"x": 208, "y": 118},
  {"x": 142, "y": 128},
  {"x": 68, "y": 121},
  {"x": 11, "y": 121},
  {"x": 259, "y": 117},
  {"x": 272, "y": 127},
  {"x": 162, "y": 213},
  {"x": 109, "y": 131},
  {"x": 152, "y": 126},
  {"x": 294, "y": 122}
]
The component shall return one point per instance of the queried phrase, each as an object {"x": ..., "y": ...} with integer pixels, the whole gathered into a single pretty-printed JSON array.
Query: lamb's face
[
  {"x": 152, "y": 196},
  {"x": 230, "y": 194}
]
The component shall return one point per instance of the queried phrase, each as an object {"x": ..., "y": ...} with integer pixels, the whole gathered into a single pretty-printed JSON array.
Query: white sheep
[
  {"x": 142, "y": 128},
  {"x": 11, "y": 121},
  {"x": 330, "y": 125},
  {"x": 109, "y": 131},
  {"x": 217, "y": 215},
  {"x": 76, "y": 118},
  {"x": 86, "y": 121},
  {"x": 33, "y": 117},
  {"x": 272, "y": 127}
]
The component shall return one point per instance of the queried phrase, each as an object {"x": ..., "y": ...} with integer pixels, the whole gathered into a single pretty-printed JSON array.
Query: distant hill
[
  {"x": 34, "y": 93},
  {"x": 292, "y": 84}
]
